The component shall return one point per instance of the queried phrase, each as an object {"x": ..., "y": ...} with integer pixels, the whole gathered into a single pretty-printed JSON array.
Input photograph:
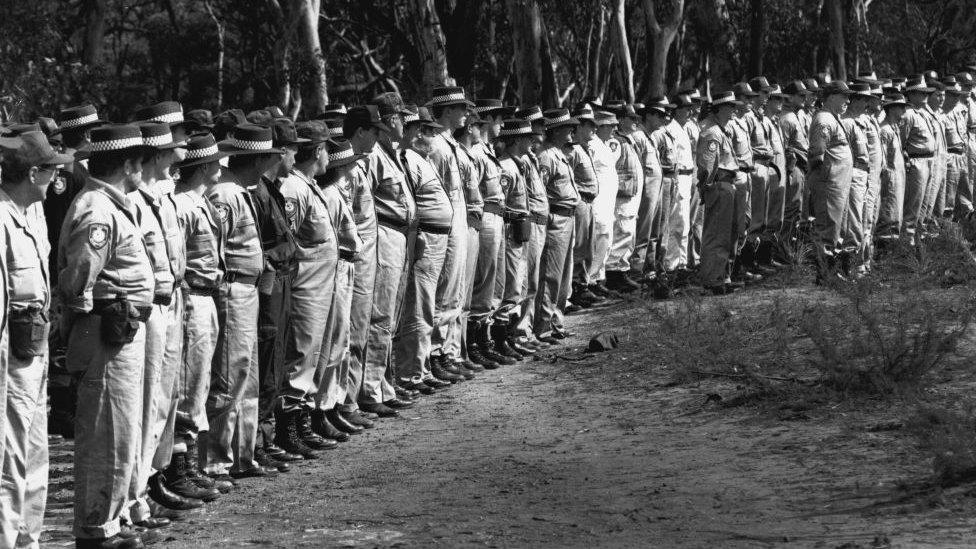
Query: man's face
[
  {"x": 211, "y": 173},
  {"x": 364, "y": 139},
  {"x": 321, "y": 159},
  {"x": 605, "y": 131},
  {"x": 40, "y": 178},
  {"x": 133, "y": 175},
  {"x": 837, "y": 103},
  {"x": 158, "y": 167},
  {"x": 455, "y": 116},
  {"x": 395, "y": 123},
  {"x": 410, "y": 132},
  {"x": 950, "y": 102},
  {"x": 809, "y": 99},
  {"x": 424, "y": 138},
  {"x": 774, "y": 106},
  {"x": 287, "y": 160},
  {"x": 560, "y": 136},
  {"x": 936, "y": 99},
  {"x": 584, "y": 131},
  {"x": 896, "y": 113},
  {"x": 476, "y": 133}
]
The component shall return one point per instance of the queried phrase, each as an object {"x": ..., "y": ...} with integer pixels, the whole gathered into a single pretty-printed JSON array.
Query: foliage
[{"x": 949, "y": 436}]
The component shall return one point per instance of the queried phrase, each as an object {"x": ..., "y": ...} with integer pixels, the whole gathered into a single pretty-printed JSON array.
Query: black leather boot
[
  {"x": 309, "y": 436},
  {"x": 325, "y": 429},
  {"x": 180, "y": 483},
  {"x": 169, "y": 499},
  {"x": 287, "y": 437}
]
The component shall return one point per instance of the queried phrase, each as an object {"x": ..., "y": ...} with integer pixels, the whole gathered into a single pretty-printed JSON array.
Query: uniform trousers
[
  {"x": 557, "y": 260},
  {"x": 603, "y": 218},
  {"x": 532, "y": 257},
  {"x": 696, "y": 217},
  {"x": 935, "y": 187},
  {"x": 491, "y": 238},
  {"x": 645, "y": 244},
  {"x": 759, "y": 197},
  {"x": 720, "y": 236},
  {"x": 332, "y": 370},
  {"x": 852, "y": 237},
  {"x": 446, "y": 337},
  {"x": 583, "y": 247},
  {"x": 830, "y": 187},
  {"x": 957, "y": 174},
  {"x": 311, "y": 301},
  {"x": 661, "y": 228},
  {"x": 742, "y": 211},
  {"x": 679, "y": 224},
  {"x": 23, "y": 490},
  {"x": 511, "y": 279},
  {"x": 391, "y": 259},
  {"x": 200, "y": 331},
  {"x": 359, "y": 313},
  {"x": 624, "y": 232},
  {"x": 891, "y": 206},
  {"x": 413, "y": 342},
  {"x": 872, "y": 195},
  {"x": 918, "y": 176},
  {"x": 274, "y": 323},
  {"x": 232, "y": 405},
  {"x": 794, "y": 208},
  {"x": 964, "y": 197},
  {"x": 471, "y": 267},
  {"x": 164, "y": 350},
  {"x": 108, "y": 424},
  {"x": 775, "y": 204}
]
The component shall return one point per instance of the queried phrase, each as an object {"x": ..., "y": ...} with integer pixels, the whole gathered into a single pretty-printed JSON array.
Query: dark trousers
[{"x": 274, "y": 304}]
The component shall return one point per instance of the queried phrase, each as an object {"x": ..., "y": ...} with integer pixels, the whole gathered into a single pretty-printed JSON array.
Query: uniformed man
[
  {"x": 232, "y": 405},
  {"x": 957, "y": 173},
  {"x": 434, "y": 222},
  {"x": 27, "y": 171},
  {"x": 395, "y": 215},
  {"x": 686, "y": 113},
  {"x": 449, "y": 107},
  {"x": 964, "y": 200},
  {"x": 199, "y": 172},
  {"x": 166, "y": 246},
  {"x": 584, "y": 176},
  {"x": 919, "y": 145},
  {"x": 717, "y": 173},
  {"x": 932, "y": 111},
  {"x": 317, "y": 255},
  {"x": 630, "y": 189},
  {"x": 106, "y": 283},
  {"x": 679, "y": 217},
  {"x": 795, "y": 143},
  {"x": 830, "y": 163},
  {"x": 891, "y": 198},
  {"x": 360, "y": 127},
  {"x": 333, "y": 370},
  {"x": 872, "y": 129},
  {"x": 657, "y": 116},
  {"x": 605, "y": 167},
  {"x": 557, "y": 256},
  {"x": 853, "y": 235}
]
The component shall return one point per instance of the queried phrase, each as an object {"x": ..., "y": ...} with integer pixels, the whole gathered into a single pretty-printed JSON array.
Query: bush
[{"x": 950, "y": 437}]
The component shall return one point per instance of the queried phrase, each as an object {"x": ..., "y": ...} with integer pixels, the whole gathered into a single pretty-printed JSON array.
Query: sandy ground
[{"x": 602, "y": 450}]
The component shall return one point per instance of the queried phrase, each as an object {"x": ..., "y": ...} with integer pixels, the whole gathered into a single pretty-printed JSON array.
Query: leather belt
[
  {"x": 540, "y": 219},
  {"x": 686, "y": 171},
  {"x": 99, "y": 306},
  {"x": 347, "y": 255},
  {"x": 249, "y": 280},
  {"x": 433, "y": 229},
  {"x": 562, "y": 210},
  {"x": 393, "y": 225},
  {"x": 923, "y": 155},
  {"x": 162, "y": 299},
  {"x": 208, "y": 292},
  {"x": 491, "y": 207}
]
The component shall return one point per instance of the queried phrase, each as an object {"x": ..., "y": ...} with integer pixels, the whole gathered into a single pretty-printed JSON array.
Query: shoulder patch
[
  {"x": 222, "y": 210},
  {"x": 614, "y": 145},
  {"x": 544, "y": 172},
  {"x": 291, "y": 206},
  {"x": 507, "y": 180},
  {"x": 712, "y": 146},
  {"x": 98, "y": 235}
]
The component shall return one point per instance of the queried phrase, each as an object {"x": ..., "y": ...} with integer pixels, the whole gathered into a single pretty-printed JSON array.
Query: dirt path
[{"x": 585, "y": 453}]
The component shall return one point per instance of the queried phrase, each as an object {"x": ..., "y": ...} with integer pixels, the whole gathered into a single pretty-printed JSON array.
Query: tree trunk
[
  {"x": 309, "y": 27},
  {"x": 527, "y": 40},
  {"x": 420, "y": 19},
  {"x": 757, "y": 37},
  {"x": 596, "y": 51},
  {"x": 94, "y": 31},
  {"x": 220, "y": 54},
  {"x": 621, "y": 47},
  {"x": 838, "y": 56},
  {"x": 459, "y": 19},
  {"x": 662, "y": 18},
  {"x": 550, "y": 91}
]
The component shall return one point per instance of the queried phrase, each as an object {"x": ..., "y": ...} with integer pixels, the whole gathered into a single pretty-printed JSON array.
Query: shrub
[{"x": 950, "y": 437}]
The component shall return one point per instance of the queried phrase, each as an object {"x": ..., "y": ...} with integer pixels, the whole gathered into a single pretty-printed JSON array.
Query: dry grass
[{"x": 950, "y": 437}]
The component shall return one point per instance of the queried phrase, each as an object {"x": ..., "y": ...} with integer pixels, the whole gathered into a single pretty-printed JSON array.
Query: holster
[
  {"x": 521, "y": 230},
  {"x": 29, "y": 330},
  {"x": 120, "y": 320}
]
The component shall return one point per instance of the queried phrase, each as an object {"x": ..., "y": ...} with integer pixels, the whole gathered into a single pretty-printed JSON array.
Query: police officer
[
  {"x": 954, "y": 119},
  {"x": 629, "y": 191},
  {"x": 718, "y": 171},
  {"x": 918, "y": 142},
  {"x": 557, "y": 256},
  {"x": 395, "y": 213},
  {"x": 27, "y": 171},
  {"x": 830, "y": 165},
  {"x": 106, "y": 282},
  {"x": 891, "y": 198},
  {"x": 795, "y": 143},
  {"x": 205, "y": 267},
  {"x": 232, "y": 405},
  {"x": 605, "y": 167},
  {"x": 853, "y": 235},
  {"x": 587, "y": 186},
  {"x": 317, "y": 255}
]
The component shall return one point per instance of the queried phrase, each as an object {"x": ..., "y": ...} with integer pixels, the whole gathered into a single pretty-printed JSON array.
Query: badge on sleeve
[
  {"x": 507, "y": 181},
  {"x": 544, "y": 173},
  {"x": 291, "y": 206},
  {"x": 59, "y": 185},
  {"x": 98, "y": 235},
  {"x": 712, "y": 146},
  {"x": 614, "y": 145},
  {"x": 223, "y": 210}
]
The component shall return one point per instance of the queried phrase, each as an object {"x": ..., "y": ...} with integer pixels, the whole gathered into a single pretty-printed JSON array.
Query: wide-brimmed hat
[
  {"x": 621, "y": 108},
  {"x": 201, "y": 149},
  {"x": 760, "y": 83},
  {"x": 776, "y": 92},
  {"x": 516, "y": 127},
  {"x": 559, "y": 118},
  {"x": 894, "y": 99},
  {"x": 33, "y": 149},
  {"x": 389, "y": 104},
  {"x": 744, "y": 89},
  {"x": 725, "y": 98},
  {"x": 315, "y": 131},
  {"x": 21, "y": 128},
  {"x": 683, "y": 101},
  {"x": 796, "y": 87},
  {"x": 364, "y": 116},
  {"x": 812, "y": 85},
  {"x": 198, "y": 119},
  {"x": 341, "y": 153},
  {"x": 260, "y": 117},
  {"x": 112, "y": 138},
  {"x": 965, "y": 80},
  {"x": 867, "y": 77},
  {"x": 170, "y": 112},
  {"x": 335, "y": 128},
  {"x": 658, "y": 104},
  {"x": 420, "y": 115},
  {"x": 449, "y": 95},
  {"x": 917, "y": 84},
  {"x": 159, "y": 136},
  {"x": 859, "y": 89},
  {"x": 275, "y": 111},
  {"x": 249, "y": 139},
  {"x": 332, "y": 111},
  {"x": 284, "y": 134},
  {"x": 529, "y": 114},
  {"x": 952, "y": 85},
  {"x": 605, "y": 118},
  {"x": 836, "y": 87},
  {"x": 694, "y": 94},
  {"x": 492, "y": 107},
  {"x": 50, "y": 129},
  {"x": 80, "y": 117},
  {"x": 584, "y": 112}
]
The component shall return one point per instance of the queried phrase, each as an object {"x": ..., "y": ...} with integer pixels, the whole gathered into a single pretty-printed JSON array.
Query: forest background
[{"x": 303, "y": 54}]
